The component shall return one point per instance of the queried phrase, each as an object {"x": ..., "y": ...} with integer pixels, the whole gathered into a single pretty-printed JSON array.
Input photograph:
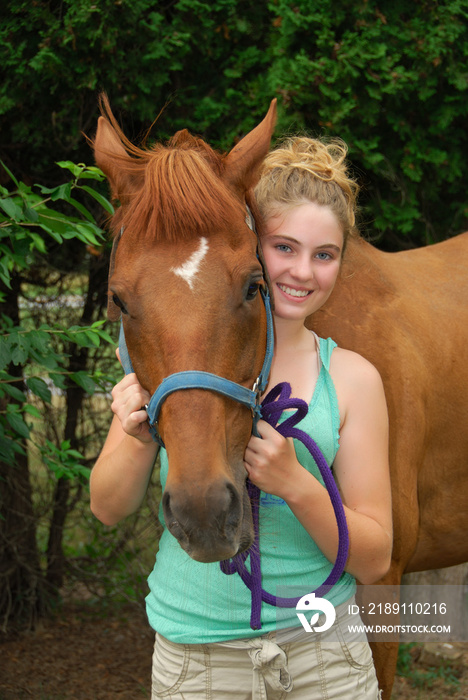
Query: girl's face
[{"x": 302, "y": 249}]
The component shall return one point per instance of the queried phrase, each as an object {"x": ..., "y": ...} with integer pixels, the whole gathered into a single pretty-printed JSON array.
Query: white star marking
[{"x": 189, "y": 270}]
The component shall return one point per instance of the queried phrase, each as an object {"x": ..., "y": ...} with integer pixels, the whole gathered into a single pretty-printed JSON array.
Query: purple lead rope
[{"x": 277, "y": 401}]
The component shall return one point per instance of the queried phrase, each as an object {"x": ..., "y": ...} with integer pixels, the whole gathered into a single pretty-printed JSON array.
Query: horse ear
[
  {"x": 109, "y": 154},
  {"x": 242, "y": 164}
]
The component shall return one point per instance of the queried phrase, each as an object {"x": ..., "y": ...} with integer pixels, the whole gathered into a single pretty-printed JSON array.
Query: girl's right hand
[{"x": 129, "y": 400}]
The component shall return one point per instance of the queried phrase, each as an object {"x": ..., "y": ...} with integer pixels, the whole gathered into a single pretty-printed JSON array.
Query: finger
[
  {"x": 265, "y": 430},
  {"x": 249, "y": 456},
  {"x": 117, "y": 352},
  {"x": 134, "y": 385},
  {"x": 130, "y": 383},
  {"x": 138, "y": 417},
  {"x": 134, "y": 398}
]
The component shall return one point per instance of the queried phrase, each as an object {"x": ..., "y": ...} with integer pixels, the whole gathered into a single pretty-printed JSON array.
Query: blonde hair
[{"x": 304, "y": 170}]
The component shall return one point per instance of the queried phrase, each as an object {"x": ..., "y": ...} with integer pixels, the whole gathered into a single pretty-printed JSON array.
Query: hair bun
[{"x": 303, "y": 169}]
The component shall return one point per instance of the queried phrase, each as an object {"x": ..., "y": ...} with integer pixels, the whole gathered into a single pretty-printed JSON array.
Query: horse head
[{"x": 185, "y": 280}]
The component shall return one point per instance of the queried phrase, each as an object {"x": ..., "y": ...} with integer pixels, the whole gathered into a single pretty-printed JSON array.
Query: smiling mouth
[{"x": 300, "y": 293}]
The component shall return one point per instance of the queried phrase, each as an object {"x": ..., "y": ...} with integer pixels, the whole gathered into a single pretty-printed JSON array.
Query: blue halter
[{"x": 195, "y": 379}]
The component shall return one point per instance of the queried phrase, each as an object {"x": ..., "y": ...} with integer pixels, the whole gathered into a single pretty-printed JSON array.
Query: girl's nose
[{"x": 303, "y": 269}]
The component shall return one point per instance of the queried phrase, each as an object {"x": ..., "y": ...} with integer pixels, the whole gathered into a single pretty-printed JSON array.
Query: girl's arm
[
  {"x": 121, "y": 474},
  {"x": 361, "y": 470}
]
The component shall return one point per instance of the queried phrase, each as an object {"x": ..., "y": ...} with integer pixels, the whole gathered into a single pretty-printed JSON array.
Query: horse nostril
[
  {"x": 174, "y": 527},
  {"x": 233, "y": 510}
]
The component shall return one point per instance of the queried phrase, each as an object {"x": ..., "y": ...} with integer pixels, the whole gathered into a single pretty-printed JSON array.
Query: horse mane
[{"x": 171, "y": 192}]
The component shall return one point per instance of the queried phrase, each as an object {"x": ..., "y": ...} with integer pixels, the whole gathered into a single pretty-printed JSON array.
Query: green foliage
[
  {"x": 391, "y": 80},
  {"x": 424, "y": 677},
  {"x": 388, "y": 78},
  {"x": 34, "y": 361},
  {"x": 27, "y": 214},
  {"x": 63, "y": 461},
  {"x": 57, "y": 56}
]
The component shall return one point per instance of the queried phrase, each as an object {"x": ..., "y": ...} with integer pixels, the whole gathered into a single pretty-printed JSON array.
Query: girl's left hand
[{"x": 271, "y": 461}]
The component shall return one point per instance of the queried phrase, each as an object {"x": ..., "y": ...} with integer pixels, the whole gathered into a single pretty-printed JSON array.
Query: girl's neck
[{"x": 290, "y": 335}]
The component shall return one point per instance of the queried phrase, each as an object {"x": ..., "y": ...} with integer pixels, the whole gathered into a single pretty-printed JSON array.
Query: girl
[{"x": 204, "y": 646}]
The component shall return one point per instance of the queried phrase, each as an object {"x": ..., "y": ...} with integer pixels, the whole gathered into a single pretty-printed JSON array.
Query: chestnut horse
[{"x": 185, "y": 278}]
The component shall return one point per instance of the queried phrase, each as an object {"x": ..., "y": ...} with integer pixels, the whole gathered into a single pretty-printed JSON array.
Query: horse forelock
[{"x": 179, "y": 194}]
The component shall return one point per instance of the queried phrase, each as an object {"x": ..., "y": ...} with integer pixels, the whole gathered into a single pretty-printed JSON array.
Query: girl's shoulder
[
  {"x": 352, "y": 371},
  {"x": 358, "y": 385}
]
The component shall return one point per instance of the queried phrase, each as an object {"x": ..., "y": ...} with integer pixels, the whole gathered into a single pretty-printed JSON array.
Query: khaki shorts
[{"x": 310, "y": 666}]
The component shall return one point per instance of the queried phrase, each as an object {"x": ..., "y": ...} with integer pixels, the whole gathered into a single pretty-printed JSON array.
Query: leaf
[
  {"x": 93, "y": 337},
  {"x": 88, "y": 233},
  {"x": 49, "y": 361},
  {"x": 84, "y": 381},
  {"x": 74, "y": 453},
  {"x": 14, "y": 392},
  {"x": 5, "y": 352},
  {"x": 81, "y": 338},
  {"x": 92, "y": 173},
  {"x": 61, "y": 192},
  {"x": 38, "y": 242},
  {"x": 18, "y": 424},
  {"x": 32, "y": 410},
  {"x": 10, "y": 173},
  {"x": 83, "y": 211},
  {"x": 19, "y": 348},
  {"x": 50, "y": 220},
  {"x": 12, "y": 210},
  {"x": 55, "y": 235},
  {"x": 75, "y": 169},
  {"x": 39, "y": 388},
  {"x": 99, "y": 198},
  {"x": 105, "y": 336},
  {"x": 30, "y": 214},
  {"x": 59, "y": 380}
]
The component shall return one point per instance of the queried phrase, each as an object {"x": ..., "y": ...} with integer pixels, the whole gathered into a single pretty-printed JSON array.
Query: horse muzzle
[{"x": 210, "y": 526}]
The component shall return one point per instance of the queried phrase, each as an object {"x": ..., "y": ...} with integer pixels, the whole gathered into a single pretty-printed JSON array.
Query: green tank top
[{"x": 194, "y": 603}]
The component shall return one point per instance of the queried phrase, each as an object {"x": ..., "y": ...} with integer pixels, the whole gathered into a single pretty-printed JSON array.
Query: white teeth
[{"x": 293, "y": 292}]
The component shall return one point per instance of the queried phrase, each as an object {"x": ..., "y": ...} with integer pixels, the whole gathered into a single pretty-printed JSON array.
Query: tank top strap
[{"x": 326, "y": 347}]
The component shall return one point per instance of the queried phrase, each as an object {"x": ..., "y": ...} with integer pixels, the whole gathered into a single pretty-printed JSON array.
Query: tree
[
  {"x": 36, "y": 360},
  {"x": 389, "y": 78}
]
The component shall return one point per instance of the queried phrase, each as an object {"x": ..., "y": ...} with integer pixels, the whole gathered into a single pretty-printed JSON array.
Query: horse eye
[
  {"x": 252, "y": 291},
  {"x": 119, "y": 303}
]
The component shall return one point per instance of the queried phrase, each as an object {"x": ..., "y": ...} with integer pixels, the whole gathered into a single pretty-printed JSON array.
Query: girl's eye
[
  {"x": 283, "y": 248},
  {"x": 324, "y": 256}
]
